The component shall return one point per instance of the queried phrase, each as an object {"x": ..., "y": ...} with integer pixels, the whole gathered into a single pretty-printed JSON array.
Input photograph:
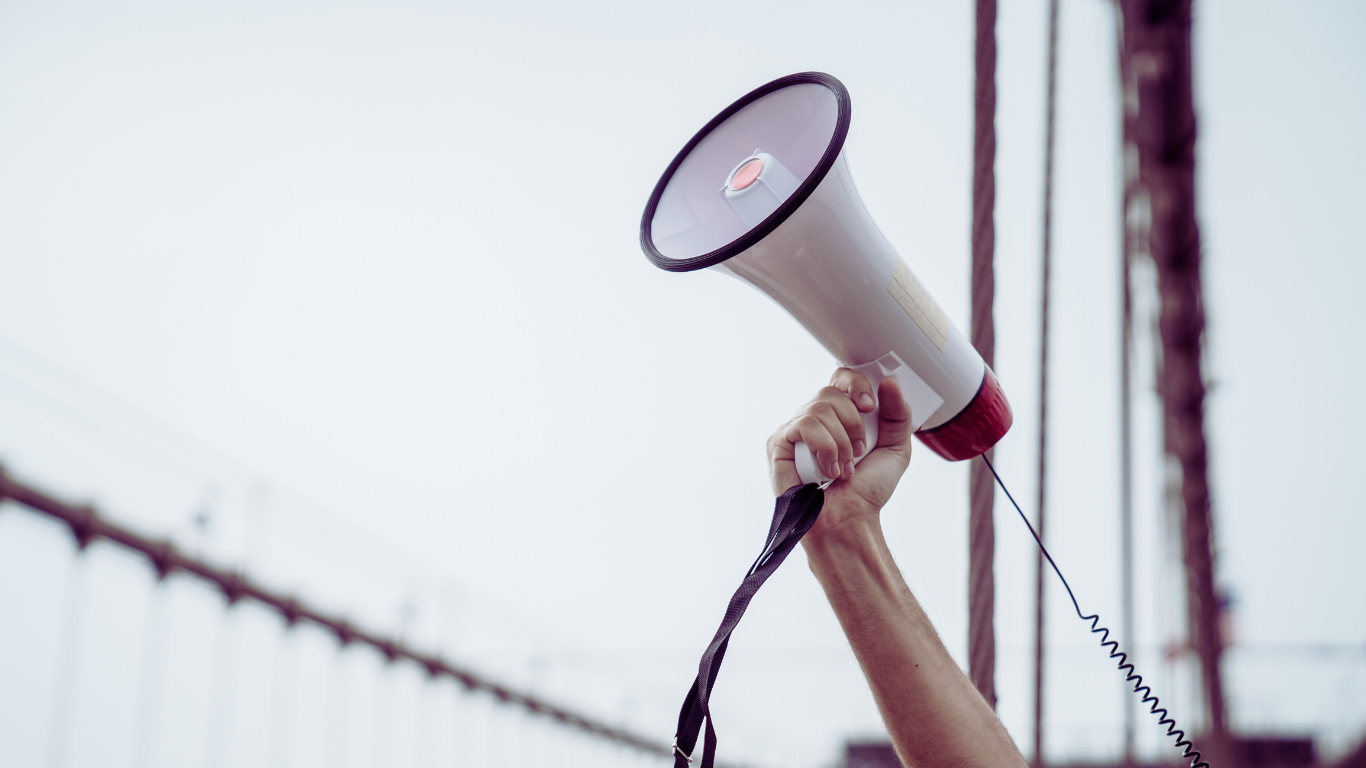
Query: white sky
[{"x": 363, "y": 281}]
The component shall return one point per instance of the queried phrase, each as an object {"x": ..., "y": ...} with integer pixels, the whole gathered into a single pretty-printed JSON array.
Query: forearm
[{"x": 932, "y": 712}]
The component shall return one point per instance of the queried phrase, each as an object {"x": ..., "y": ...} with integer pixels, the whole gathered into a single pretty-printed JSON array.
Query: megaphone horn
[{"x": 763, "y": 192}]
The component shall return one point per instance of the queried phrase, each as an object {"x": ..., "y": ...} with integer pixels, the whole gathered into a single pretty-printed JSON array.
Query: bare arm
[{"x": 932, "y": 711}]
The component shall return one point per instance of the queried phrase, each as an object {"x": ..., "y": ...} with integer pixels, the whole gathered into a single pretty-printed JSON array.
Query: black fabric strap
[{"x": 793, "y": 516}]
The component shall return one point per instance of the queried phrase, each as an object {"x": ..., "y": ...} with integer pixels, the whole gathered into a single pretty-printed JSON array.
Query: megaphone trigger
[{"x": 920, "y": 399}]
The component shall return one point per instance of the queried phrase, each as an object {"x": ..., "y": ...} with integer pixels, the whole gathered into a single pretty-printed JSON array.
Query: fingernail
[
  {"x": 865, "y": 400},
  {"x": 858, "y": 447},
  {"x": 849, "y": 469}
]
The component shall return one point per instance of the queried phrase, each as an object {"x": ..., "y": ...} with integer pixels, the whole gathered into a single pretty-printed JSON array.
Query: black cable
[{"x": 1115, "y": 653}]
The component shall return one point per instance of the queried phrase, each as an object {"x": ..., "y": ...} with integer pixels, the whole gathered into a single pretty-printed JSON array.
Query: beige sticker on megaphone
[{"x": 918, "y": 303}]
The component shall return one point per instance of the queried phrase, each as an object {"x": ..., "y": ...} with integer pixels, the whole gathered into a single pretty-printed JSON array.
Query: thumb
[{"x": 894, "y": 417}]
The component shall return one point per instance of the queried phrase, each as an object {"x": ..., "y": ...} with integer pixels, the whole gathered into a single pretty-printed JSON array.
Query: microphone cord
[{"x": 1124, "y": 665}]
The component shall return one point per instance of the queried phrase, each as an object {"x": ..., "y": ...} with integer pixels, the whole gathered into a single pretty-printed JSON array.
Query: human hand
[{"x": 832, "y": 427}]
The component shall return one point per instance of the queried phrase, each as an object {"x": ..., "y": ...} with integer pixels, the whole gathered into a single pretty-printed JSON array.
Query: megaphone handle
[
  {"x": 810, "y": 472},
  {"x": 922, "y": 400}
]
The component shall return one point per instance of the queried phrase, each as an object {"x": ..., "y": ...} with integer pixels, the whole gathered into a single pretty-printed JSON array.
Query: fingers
[
  {"x": 825, "y": 443},
  {"x": 832, "y": 427},
  {"x": 833, "y": 407},
  {"x": 894, "y": 415},
  {"x": 781, "y": 462},
  {"x": 856, "y": 387}
]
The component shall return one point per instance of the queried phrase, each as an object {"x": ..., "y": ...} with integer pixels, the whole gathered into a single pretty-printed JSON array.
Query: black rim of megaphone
[{"x": 774, "y": 219}]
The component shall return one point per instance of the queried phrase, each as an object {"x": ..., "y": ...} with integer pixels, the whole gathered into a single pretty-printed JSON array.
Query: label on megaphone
[{"x": 921, "y": 400}]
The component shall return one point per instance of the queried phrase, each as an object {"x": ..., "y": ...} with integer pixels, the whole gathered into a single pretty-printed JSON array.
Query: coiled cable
[{"x": 1188, "y": 749}]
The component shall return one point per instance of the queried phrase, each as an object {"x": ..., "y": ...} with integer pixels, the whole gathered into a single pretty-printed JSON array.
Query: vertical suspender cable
[
  {"x": 1126, "y": 484},
  {"x": 222, "y": 688},
  {"x": 282, "y": 705},
  {"x": 1126, "y": 461},
  {"x": 1128, "y": 110},
  {"x": 71, "y": 644},
  {"x": 981, "y": 492},
  {"x": 1047, "y": 258},
  {"x": 147, "y": 717},
  {"x": 335, "y": 731},
  {"x": 981, "y": 530}
]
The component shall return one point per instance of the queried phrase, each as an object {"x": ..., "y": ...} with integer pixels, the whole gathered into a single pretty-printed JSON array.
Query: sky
[{"x": 359, "y": 285}]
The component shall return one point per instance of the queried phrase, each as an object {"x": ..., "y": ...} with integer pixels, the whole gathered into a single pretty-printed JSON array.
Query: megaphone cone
[{"x": 763, "y": 192}]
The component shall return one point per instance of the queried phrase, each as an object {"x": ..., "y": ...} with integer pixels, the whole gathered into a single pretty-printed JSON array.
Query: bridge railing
[{"x": 379, "y": 700}]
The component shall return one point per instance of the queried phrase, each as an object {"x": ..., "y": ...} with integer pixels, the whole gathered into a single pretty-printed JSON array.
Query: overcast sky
[{"x": 361, "y": 282}]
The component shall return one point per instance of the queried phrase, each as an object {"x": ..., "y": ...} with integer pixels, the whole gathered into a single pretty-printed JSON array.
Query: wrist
[
  {"x": 843, "y": 533},
  {"x": 851, "y": 558}
]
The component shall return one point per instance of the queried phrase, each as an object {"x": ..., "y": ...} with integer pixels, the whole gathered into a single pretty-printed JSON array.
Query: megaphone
[{"x": 763, "y": 193}]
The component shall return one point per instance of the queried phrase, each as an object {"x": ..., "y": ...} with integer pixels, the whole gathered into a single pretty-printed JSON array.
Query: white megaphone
[{"x": 763, "y": 192}]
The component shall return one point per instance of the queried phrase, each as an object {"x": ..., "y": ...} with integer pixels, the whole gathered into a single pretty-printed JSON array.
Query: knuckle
[{"x": 821, "y": 408}]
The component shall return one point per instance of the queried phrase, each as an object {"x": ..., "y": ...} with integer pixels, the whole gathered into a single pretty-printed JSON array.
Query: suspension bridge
[{"x": 156, "y": 614}]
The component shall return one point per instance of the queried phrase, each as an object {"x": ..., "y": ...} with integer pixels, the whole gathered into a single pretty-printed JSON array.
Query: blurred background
[{"x": 347, "y": 296}]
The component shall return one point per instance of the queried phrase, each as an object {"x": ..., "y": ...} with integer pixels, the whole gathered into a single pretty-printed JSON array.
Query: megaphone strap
[{"x": 793, "y": 515}]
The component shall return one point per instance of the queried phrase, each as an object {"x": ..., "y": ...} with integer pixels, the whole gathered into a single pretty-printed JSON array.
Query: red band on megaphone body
[{"x": 976, "y": 428}]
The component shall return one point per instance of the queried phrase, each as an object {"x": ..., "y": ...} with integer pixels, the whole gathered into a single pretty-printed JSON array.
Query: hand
[{"x": 832, "y": 427}]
